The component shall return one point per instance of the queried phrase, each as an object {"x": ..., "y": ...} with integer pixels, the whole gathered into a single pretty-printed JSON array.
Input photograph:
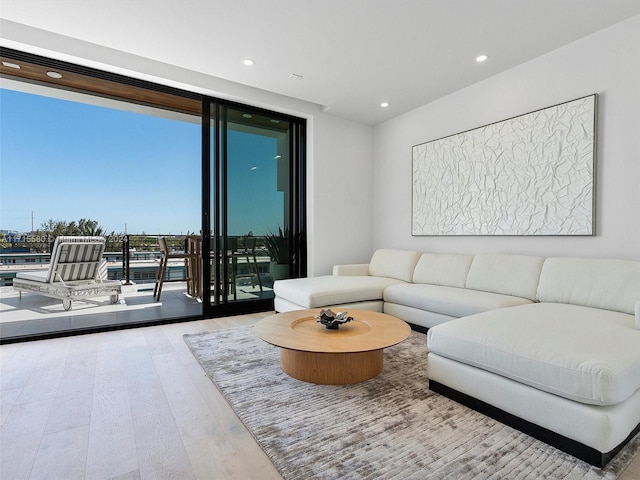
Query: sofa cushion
[
  {"x": 331, "y": 290},
  {"x": 442, "y": 269},
  {"x": 584, "y": 354},
  {"x": 592, "y": 282},
  {"x": 398, "y": 264},
  {"x": 515, "y": 275},
  {"x": 452, "y": 301},
  {"x": 356, "y": 269}
]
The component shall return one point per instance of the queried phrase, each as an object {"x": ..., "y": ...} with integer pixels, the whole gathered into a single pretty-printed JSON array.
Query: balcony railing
[{"x": 131, "y": 258}]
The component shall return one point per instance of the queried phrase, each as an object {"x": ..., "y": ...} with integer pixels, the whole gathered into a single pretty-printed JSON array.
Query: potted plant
[{"x": 277, "y": 244}]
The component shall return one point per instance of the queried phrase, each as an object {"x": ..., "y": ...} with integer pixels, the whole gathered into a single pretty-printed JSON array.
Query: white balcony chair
[{"x": 76, "y": 272}]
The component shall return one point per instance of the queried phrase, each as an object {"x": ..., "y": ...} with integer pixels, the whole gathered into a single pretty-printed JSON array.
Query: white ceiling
[{"x": 352, "y": 54}]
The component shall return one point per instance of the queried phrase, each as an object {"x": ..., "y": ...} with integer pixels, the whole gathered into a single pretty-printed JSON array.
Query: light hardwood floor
[{"x": 130, "y": 404}]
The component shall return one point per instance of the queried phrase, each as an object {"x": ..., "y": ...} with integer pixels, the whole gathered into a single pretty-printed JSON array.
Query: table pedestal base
[{"x": 331, "y": 368}]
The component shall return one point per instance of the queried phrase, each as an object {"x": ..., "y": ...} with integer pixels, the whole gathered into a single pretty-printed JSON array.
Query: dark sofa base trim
[
  {"x": 572, "y": 447},
  {"x": 418, "y": 328}
]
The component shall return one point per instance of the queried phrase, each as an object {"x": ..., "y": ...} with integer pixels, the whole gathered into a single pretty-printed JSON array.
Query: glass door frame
[{"x": 214, "y": 219}]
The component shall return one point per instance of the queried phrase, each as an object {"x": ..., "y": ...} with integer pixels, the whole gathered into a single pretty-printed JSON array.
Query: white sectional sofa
[{"x": 549, "y": 346}]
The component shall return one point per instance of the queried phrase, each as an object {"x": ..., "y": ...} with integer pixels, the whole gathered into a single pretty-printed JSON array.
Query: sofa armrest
[
  {"x": 356, "y": 269},
  {"x": 638, "y": 315}
]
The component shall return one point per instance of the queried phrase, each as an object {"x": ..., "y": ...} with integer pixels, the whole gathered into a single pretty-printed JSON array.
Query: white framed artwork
[{"x": 528, "y": 175}]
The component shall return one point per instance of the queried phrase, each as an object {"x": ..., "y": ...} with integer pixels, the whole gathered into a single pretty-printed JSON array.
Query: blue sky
[{"x": 65, "y": 160}]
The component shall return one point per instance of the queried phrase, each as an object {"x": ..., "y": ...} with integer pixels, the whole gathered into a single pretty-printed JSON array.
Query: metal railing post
[{"x": 125, "y": 260}]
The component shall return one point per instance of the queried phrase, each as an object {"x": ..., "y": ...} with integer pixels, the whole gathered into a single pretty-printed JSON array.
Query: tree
[
  {"x": 89, "y": 228},
  {"x": 84, "y": 226},
  {"x": 3, "y": 242},
  {"x": 51, "y": 229}
]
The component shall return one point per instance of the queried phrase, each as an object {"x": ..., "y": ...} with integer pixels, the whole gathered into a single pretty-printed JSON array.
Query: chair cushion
[
  {"x": 584, "y": 354},
  {"x": 34, "y": 275},
  {"x": 398, "y": 264},
  {"x": 331, "y": 290},
  {"x": 452, "y": 301},
  {"x": 442, "y": 269},
  {"x": 515, "y": 275}
]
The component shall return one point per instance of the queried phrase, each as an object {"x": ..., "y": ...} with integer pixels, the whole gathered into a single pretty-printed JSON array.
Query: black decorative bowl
[{"x": 332, "y": 320}]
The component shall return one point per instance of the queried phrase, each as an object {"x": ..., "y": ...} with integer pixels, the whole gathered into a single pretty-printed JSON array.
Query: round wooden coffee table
[{"x": 312, "y": 353}]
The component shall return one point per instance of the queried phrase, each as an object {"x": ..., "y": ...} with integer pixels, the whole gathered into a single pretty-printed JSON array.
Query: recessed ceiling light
[
  {"x": 273, "y": 120},
  {"x": 482, "y": 58},
  {"x": 248, "y": 62},
  {"x": 295, "y": 76},
  {"x": 384, "y": 104},
  {"x": 247, "y": 115},
  {"x": 11, "y": 65},
  {"x": 254, "y": 168},
  {"x": 277, "y": 157},
  {"x": 54, "y": 74}
]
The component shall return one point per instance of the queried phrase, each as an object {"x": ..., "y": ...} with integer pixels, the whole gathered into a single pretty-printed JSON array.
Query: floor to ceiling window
[{"x": 137, "y": 165}]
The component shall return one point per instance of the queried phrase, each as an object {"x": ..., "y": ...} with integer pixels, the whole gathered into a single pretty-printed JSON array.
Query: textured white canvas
[{"x": 528, "y": 175}]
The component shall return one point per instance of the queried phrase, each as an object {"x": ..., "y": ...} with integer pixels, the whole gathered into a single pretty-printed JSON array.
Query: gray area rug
[{"x": 390, "y": 427}]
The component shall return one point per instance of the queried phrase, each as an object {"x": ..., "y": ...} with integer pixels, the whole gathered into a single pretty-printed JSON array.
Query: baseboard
[{"x": 568, "y": 445}]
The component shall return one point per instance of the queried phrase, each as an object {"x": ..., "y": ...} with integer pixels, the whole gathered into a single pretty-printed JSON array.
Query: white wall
[
  {"x": 607, "y": 63},
  {"x": 339, "y": 178},
  {"x": 342, "y": 197}
]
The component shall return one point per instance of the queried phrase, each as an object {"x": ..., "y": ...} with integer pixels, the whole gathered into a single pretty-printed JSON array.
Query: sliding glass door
[{"x": 253, "y": 203}]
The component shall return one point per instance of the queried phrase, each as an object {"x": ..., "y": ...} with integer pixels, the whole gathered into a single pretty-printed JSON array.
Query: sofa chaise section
[
  {"x": 566, "y": 370},
  {"x": 362, "y": 292},
  {"x": 351, "y": 286}
]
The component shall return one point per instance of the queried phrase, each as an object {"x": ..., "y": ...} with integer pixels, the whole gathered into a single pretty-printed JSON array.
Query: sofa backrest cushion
[
  {"x": 515, "y": 275},
  {"x": 398, "y": 264},
  {"x": 442, "y": 269},
  {"x": 592, "y": 282}
]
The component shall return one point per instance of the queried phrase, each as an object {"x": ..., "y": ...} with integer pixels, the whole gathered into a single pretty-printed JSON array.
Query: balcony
[{"x": 136, "y": 266}]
